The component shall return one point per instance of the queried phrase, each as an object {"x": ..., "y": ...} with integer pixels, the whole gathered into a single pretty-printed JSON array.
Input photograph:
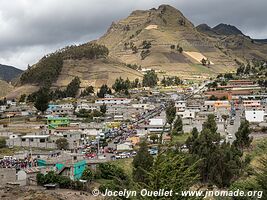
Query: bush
[
  {"x": 62, "y": 143},
  {"x": 109, "y": 171},
  {"x": 2, "y": 142},
  {"x": 87, "y": 175},
  {"x": 62, "y": 181}
]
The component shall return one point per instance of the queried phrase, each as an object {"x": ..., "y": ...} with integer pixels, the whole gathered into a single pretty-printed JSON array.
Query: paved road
[{"x": 232, "y": 129}]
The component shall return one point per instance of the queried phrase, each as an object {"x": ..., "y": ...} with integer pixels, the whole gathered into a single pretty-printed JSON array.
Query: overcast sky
[{"x": 30, "y": 29}]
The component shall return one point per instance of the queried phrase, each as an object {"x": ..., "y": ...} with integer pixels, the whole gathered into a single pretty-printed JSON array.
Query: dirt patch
[
  {"x": 149, "y": 27},
  {"x": 176, "y": 57},
  {"x": 196, "y": 56},
  {"x": 39, "y": 193}
]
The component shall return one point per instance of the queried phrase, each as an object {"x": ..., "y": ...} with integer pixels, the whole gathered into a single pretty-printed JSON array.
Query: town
[
  {"x": 168, "y": 102},
  {"x": 73, "y": 134}
]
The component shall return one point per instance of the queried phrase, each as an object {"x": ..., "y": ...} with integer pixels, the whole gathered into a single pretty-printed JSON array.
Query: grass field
[
  {"x": 125, "y": 164},
  {"x": 180, "y": 138}
]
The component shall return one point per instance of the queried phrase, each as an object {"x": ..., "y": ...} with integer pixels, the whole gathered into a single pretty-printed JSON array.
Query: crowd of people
[{"x": 10, "y": 162}]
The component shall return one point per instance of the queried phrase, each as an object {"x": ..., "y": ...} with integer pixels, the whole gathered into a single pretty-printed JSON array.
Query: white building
[
  {"x": 187, "y": 113},
  {"x": 113, "y": 101},
  {"x": 156, "y": 122},
  {"x": 255, "y": 115},
  {"x": 126, "y": 146},
  {"x": 66, "y": 106},
  {"x": 180, "y": 105},
  {"x": 2, "y": 108},
  {"x": 144, "y": 106},
  {"x": 87, "y": 106},
  {"x": 11, "y": 103}
]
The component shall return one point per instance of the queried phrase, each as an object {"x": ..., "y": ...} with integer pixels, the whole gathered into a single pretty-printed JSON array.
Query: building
[
  {"x": 255, "y": 115},
  {"x": 126, "y": 146},
  {"x": 113, "y": 101},
  {"x": 38, "y": 141},
  {"x": 240, "y": 82},
  {"x": 54, "y": 122},
  {"x": 180, "y": 105},
  {"x": 252, "y": 104},
  {"x": 3, "y": 108},
  {"x": 70, "y": 165},
  {"x": 60, "y": 109},
  {"x": 87, "y": 106},
  {"x": 74, "y": 138},
  {"x": 156, "y": 125}
]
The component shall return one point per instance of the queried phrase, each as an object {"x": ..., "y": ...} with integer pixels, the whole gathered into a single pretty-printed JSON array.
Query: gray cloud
[{"x": 31, "y": 28}]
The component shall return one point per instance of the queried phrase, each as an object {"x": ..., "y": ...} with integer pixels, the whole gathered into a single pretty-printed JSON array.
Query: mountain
[
  {"x": 162, "y": 28},
  {"x": 204, "y": 28},
  {"x": 160, "y": 38},
  {"x": 226, "y": 29},
  {"x": 220, "y": 29},
  {"x": 263, "y": 41},
  {"x": 233, "y": 42},
  {"x": 8, "y": 73}
]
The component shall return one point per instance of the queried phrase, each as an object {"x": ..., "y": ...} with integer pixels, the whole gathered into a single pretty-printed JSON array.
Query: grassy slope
[
  {"x": 94, "y": 72},
  {"x": 161, "y": 56},
  {"x": 5, "y": 88}
]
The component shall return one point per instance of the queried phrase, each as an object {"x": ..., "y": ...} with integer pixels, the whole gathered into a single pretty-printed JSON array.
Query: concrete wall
[{"x": 7, "y": 175}]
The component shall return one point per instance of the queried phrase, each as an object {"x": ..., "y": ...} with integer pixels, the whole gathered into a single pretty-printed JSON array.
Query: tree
[
  {"x": 87, "y": 91},
  {"x": 172, "y": 46},
  {"x": 204, "y": 62},
  {"x": 103, "y": 108},
  {"x": 212, "y": 97},
  {"x": 62, "y": 143},
  {"x": 42, "y": 99},
  {"x": 220, "y": 163},
  {"x": 136, "y": 83},
  {"x": 177, "y": 126},
  {"x": 142, "y": 163},
  {"x": 118, "y": 179},
  {"x": 87, "y": 175},
  {"x": 172, "y": 171},
  {"x": 192, "y": 141},
  {"x": 210, "y": 124},
  {"x": 170, "y": 113},
  {"x": 225, "y": 117},
  {"x": 150, "y": 79},
  {"x": 22, "y": 98},
  {"x": 2, "y": 143},
  {"x": 144, "y": 54},
  {"x": 154, "y": 137},
  {"x": 261, "y": 177},
  {"x": 146, "y": 44},
  {"x": 104, "y": 89},
  {"x": 173, "y": 80},
  {"x": 180, "y": 49},
  {"x": 242, "y": 136},
  {"x": 73, "y": 87},
  {"x": 121, "y": 85}
]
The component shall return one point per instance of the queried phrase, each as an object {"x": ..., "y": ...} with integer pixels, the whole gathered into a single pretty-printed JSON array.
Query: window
[
  {"x": 23, "y": 139},
  {"x": 42, "y": 140},
  {"x": 31, "y": 139}
]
